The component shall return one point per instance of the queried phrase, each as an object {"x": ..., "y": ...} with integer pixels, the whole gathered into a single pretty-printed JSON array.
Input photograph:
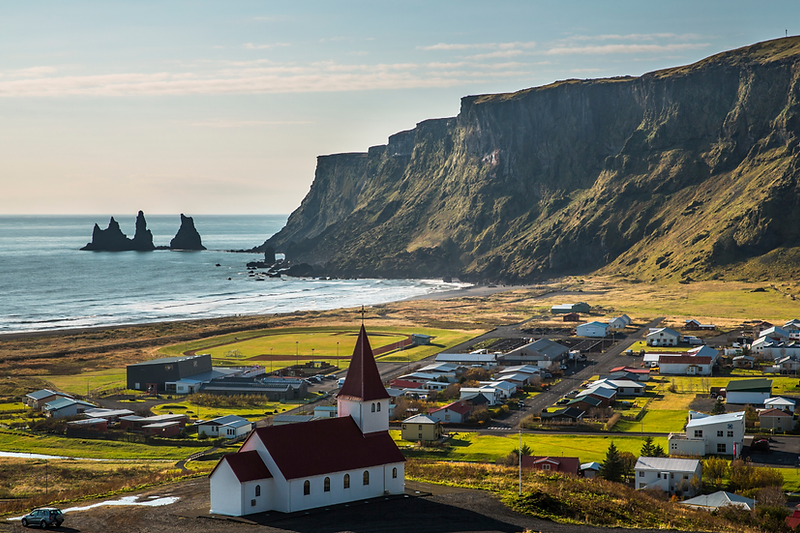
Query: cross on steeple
[{"x": 363, "y": 314}]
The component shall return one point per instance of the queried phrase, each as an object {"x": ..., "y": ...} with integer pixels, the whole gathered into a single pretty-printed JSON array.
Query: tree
[
  {"x": 719, "y": 408},
  {"x": 612, "y": 467},
  {"x": 648, "y": 448},
  {"x": 628, "y": 465},
  {"x": 715, "y": 470}
]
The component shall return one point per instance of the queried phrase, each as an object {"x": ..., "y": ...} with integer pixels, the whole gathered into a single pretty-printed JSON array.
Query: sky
[{"x": 222, "y": 107}]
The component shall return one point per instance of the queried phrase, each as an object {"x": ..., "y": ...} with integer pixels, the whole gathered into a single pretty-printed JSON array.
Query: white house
[
  {"x": 506, "y": 388},
  {"x": 710, "y": 435},
  {"x": 792, "y": 327},
  {"x": 592, "y": 329},
  {"x": 775, "y": 333},
  {"x": 712, "y": 502},
  {"x": 748, "y": 391},
  {"x": 228, "y": 426},
  {"x": 617, "y": 323},
  {"x": 663, "y": 337},
  {"x": 669, "y": 475},
  {"x": 624, "y": 387},
  {"x": 492, "y": 394},
  {"x": 773, "y": 349},
  {"x": 779, "y": 403},
  {"x": 685, "y": 365},
  {"x": 323, "y": 462}
]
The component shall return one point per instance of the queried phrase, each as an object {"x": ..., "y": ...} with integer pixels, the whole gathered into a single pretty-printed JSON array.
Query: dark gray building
[{"x": 155, "y": 374}]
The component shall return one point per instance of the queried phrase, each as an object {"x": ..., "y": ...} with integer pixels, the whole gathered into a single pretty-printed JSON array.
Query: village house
[
  {"x": 585, "y": 403},
  {"x": 606, "y": 395},
  {"x": 162, "y": 429},
  {"x": 111, "y": 415},
  {"x": 542, "y": 353},
  {"x": 775, "y": 419},
  {"x": 617, "y": 324},
  {"x": 774, "y": 333},
  {"x": 421, "y": 427},
  {"x": 668, "y": 474},
  {"x": 784, "y": 404},
  {"x": 572, "y": 317},
  {"x": 565, "y": 415},
  {"x": 228, "y": 426},
  {"x": 590, "y": 470},
  {"x": 709, "y": 435},
  {"x": 787, "y": 365},
  {"x": 564, "y": 465},
  {"x": 506, "y": 388},
  {"x": 719, "y": 499},
  {"x": 695, "y": 325},
  {"x": 792, "y": 327},
  {"x": 457, "y": 412},
  {"x": 37, "y": 400},
  {"x": 685, "y": 365},
  {"x": 774, "y": 349},
  {"x": 579, "y": 307},
  {"x": 748, "y": 391},
  {"x": 663, "y": 337},
  {"x": 64, "y": 407},
  {"x": 636, "y": 374},
  {"x": 492, "y": 394},
  {"x": 135, "y": 423},
  {"x": 485, "y": 360},
  {"x": 319, "y": 463},
  {"x": 592, "y": 329},
  {"x": 75, "y": 427},
  {"x": 326, "y": 411},
  {"x": 624, "y": 387}
]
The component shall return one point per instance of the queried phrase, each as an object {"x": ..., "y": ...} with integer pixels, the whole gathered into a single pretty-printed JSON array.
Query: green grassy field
[
  {"x": 16, "y": 441},
  {"x": 642, "y": 345},
  {"x": 250, "y": 413},
  {"x": 654, "y": 421},
  {"x": 470, "y": 446},
  {"x": 282, "y": 346},
  {"x": 94, "y": 382}
]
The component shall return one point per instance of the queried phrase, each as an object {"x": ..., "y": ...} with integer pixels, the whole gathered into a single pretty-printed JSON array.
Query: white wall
[
  {"x": 226, "y": 496},
  {"x": 753, "y": 398}
]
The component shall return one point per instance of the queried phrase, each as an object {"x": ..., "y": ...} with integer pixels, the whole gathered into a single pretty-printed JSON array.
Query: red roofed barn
[{"x": 323, "y": 462}]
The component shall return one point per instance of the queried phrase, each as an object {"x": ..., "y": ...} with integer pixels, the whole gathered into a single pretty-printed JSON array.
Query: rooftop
[{"x": 668, "y": 464}]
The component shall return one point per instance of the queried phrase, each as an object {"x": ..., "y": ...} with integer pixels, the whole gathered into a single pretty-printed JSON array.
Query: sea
[{"x": 48, "y": 283}]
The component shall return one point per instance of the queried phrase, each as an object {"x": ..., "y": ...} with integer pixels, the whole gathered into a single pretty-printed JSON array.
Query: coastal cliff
[{"x": 685, "y": 173}]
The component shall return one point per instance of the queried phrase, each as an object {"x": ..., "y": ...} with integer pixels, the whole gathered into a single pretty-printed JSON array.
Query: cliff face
[{"x": 685, "y": 173}]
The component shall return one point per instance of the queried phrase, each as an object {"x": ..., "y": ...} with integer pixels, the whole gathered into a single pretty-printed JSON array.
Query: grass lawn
[
  {"x": 97, "y": 381},
  {"x": 194, "y": 411},
  {"x": 791, "y": 479},
  {"x": 470, "y": 446},
  {"x": 13, "y": 406},
  {"x": 654, "y": 421},
  {"x": 642, "y": 345},
  {"x": 17, "y": 441},
  {"x": 315, "y": 343}
]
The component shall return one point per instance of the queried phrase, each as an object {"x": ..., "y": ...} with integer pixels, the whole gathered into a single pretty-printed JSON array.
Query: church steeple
[{"x": 363, "y": 395}]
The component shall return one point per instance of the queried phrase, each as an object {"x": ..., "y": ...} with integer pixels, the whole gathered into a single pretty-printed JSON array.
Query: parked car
[
  {"x": 760, "y": 445},
  {"x": 43, "y": 517}
]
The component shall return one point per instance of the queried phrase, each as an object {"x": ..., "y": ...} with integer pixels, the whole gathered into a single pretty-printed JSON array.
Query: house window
[
  {"x": 545, "y": 466},
  {"x": 327, "y": 484},
  {"x": 379, "y": 407},
  {"x": 719, "y": 433},
  {"x": 659, "y": 475},
  {"x": 420, "y": 427},
  {"x": 258, "y": 490},
  {"x": 366, "y": 477},
  {"x": 373, "y": 407},
  {"x": 698, "y": 433},
  {"x": 306, "y": 488},
  {"x": 404, "y": 426},
  {"x": 672, "y": 475},
  {"x": 721, "y": 447},
  {"x": 641, "y": 474},
  {"x": 394, "y": 473},
  {"x": 347, "y": 481},
  {"x": 730, "y": 433}
]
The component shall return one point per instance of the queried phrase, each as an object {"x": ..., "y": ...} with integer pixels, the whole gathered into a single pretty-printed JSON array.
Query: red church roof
[
  {"x": 323, "y": 446},
  {"x": 363, "y": 380},
  {"x": 247, "y": 466}
]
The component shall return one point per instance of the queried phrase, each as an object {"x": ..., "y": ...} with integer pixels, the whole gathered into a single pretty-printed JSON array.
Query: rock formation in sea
[
  {"x": 685, "y": 173},
  {"x": 187, "y": 237},
  {"x": 112, "y": 239}
]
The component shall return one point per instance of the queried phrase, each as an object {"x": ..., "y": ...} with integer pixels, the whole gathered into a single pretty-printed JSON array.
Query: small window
[
  {"x": 366, "y": 477},
  {"x": 347, "y": 481},
  {"x": 641, "y": 474},
  {"x": 327, "y": 487},
  {"x": 730, "y": 433},
  {"x": 394, "y": 473},
  {"x": 659, "y": 475},
  {"x": 698, "y": 433},
  {"x": 379, "y": 407},
  {"x": 545, "y": 466},
  {"x": 672, "y": 475},
  {"x": 721, "y": 447},
  {"x": 373, "y": 407},
  {"x": 306, "y": 488},
  {"x": 719, "y": 433},
  {"x": 258, "y": 490}
]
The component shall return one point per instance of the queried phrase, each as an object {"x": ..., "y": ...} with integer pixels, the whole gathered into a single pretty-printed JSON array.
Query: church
[{"x": 322, "y": 462}]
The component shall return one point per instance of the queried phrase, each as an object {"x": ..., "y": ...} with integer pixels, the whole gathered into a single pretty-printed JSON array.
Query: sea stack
[
  {"x": 112, "y": 239},
  {"x": 143, "y": 238},
  {"x": 187, "y": 237}
]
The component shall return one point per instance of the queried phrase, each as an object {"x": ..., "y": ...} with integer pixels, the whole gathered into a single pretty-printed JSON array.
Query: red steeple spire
[{"x": 363, "y": 380}]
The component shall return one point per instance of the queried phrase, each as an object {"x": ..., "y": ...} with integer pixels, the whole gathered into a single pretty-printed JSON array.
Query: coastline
[{"x": 473, "y": 291}]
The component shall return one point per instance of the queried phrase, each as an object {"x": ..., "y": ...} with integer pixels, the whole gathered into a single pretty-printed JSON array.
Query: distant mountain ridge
[{"x": 684, "y": 173}]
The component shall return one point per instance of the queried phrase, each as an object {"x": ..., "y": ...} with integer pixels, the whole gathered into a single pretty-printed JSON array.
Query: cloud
[
  {"x": 637, "y": 37},
  {"x": 32, "y": 71},
  {"x": 479, "y": 46},
  {"x": 498, "y": 53},
  {"x": 252, "y": 46},
  {"x": 623, "y": 48}
]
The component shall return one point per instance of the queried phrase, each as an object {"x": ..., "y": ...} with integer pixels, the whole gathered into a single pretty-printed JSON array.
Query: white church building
[{"x": 322, "y": 462}]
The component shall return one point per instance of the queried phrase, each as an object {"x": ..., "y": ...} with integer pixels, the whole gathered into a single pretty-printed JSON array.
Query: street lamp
[
  {"x": 270, "y": 360},
  {"x": 297, "y": 356}
]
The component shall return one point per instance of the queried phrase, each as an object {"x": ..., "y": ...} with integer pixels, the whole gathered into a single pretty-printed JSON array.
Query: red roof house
[
  {"x": 566, "y": 465},
  {"x": 457, "y": 412}
]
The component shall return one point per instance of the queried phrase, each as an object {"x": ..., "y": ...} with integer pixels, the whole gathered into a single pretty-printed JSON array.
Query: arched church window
[
  {"x": 347, "y": 481},
  {"x": 394, "y": 473},
  {"x": 366, "y": 477},
  {"x": 258, "y": 490},
  {"x": 306, "y": 488},
  {"x": 327, "y": 484},
  {"x": 373, "y": 407},
  {"x": 379, "y": 407}
]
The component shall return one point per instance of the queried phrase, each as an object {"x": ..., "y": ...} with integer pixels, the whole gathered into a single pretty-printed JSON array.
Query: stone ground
[{"x": 425, "y": 509}]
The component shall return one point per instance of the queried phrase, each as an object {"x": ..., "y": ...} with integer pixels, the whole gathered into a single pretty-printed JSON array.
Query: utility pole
[{"x": 520, "y": 462}]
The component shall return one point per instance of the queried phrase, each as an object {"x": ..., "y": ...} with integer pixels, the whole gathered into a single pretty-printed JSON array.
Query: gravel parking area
[{"x": 425, "y": 509}]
